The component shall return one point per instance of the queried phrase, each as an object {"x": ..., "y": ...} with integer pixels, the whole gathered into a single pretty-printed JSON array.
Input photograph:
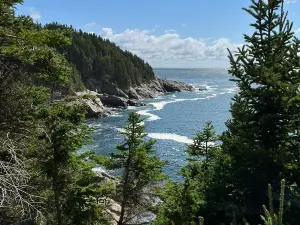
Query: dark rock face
[
  {"x": 94, "y": 106},
  {"x": 132, "y": 94},
  {"x": 175, "y": 86},
  {"x": 113, "y": 101},
  {"x": 155, "y": 88},
  {"x": 112, "y": 96},
  {"x": 202, "y": 89},
  {"x": 105, "y": 86},
  {"x": 131, "y": 102}
]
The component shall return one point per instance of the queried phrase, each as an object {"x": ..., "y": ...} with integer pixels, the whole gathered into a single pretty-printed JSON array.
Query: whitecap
[
  {"x": 120, "y": 129},
  {"x": 160, "y": 105},
  {"x": 151, "y": 116},
  {"x": 132, "y": 107},
  {"x": 231, "y": 90},
  {"x": 170, "y": 136},
  {"x": 117, "y": 115}
]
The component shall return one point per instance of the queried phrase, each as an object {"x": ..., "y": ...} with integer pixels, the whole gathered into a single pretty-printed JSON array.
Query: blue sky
[{"x": 166, "y": 33}]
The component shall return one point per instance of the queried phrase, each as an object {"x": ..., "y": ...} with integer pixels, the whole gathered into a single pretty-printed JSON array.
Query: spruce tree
[
  {"x": 182, "y": 201},
  {"x": 64, "y": 176},
  {"x": 141, "y": 171},
  {"x": 262, "y": 134}
]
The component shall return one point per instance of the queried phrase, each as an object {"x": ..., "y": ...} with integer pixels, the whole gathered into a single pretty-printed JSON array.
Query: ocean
[{"x": 173, "y": 119}]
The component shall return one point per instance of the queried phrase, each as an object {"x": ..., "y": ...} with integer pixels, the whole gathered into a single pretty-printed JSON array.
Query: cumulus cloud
[
  {"x": 35, "y": 15},
  {"x": 170, "y": 49}
]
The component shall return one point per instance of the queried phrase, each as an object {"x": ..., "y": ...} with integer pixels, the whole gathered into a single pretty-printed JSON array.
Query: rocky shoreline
[{"x": 104, "y": 102}]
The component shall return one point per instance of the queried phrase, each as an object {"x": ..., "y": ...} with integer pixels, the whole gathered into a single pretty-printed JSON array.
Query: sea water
[{"x": 173, "y": 119}]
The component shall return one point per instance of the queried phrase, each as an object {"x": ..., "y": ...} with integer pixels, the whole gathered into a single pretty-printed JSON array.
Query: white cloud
[
  {"x": 171, "y": 50},
  {"x": 290, "y": 1},
  {"x": 35, "y": 15},
  {"x": 297, "y": 31}
]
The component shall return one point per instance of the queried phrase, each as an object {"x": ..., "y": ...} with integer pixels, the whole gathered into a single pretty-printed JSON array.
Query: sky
[{"x": 165, "y": 33}]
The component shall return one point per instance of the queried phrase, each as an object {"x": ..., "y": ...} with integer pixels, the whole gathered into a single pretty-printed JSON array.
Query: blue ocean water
[{"x": 173, "y": 119}]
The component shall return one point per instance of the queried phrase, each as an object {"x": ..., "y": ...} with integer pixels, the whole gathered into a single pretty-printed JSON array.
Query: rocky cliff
[{"x": 101, "y": 102}]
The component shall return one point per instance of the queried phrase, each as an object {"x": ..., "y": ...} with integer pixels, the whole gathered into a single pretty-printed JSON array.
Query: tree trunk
[
  {"x": 125, "y": 191},
  {"x": 56, "y": 190}
]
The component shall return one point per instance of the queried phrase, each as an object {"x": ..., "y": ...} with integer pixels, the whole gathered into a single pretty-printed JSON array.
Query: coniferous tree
[
  {"x": 100, "y": 61},
  {"x": 141, "y": 171},
  {"x": 74, "y": 186},
  {"x": 39, "y": 163},
  {"x": 183, "y": 201},
  {"x": 262, "y": 134}
]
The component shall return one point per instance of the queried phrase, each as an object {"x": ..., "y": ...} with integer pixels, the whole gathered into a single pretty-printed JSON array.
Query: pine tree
[
  {"x": 182, "y": 201},
  {"x": 141, "y": 171},
  {"x": 262, "y": 132},
  {"x": 203, "y": 145},
  {"x": 66, "y": 178}
]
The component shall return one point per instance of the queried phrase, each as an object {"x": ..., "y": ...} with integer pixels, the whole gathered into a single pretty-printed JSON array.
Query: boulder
[
  {"x": 175, "y": 86},
  {"x": 95, "y": 108},
  {"x": 202, "y": 89},
  {"x": 131, "y": 102},
  {"x": 93, "y": 104},
  {"x": 113, "y": 210},
  {"x": 113, "y": 101}
]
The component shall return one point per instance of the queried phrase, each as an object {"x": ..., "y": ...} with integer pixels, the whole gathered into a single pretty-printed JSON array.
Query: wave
[
  {"x": 151, "y": 116},
  {"x": 170, "y": 136},
  {"x": 231, "y": 90},
  {"x": 116, "y": 115},
  {"x": 160, "y": 105},
  {"x": 120, "y": 129}
]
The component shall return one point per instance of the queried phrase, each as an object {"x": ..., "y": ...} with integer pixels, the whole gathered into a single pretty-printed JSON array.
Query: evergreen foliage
[
  {"x": 43, "y": 178},
  {"x": 101, "y": 62},
  {"x": 141, "y": 171},
  {"x": 261, "y": 144}
]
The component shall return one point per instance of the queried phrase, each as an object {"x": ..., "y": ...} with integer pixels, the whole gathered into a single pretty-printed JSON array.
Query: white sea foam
[
  {"x": 151, "y": 116},
  {"x": 231, "y": 90},
  {"x": 162, "y": 104},
  {"x": 116, "y": 115},
  {"x": 132, "y": 107},
  {"x": 120, "y": 129},
  {"x": 169, "y": 136}
]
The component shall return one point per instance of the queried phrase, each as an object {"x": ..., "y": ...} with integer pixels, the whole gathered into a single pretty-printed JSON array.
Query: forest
[{"x": 249, "y": 174}]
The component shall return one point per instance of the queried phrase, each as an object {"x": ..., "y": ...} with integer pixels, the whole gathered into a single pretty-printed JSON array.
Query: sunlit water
[{"x": 173, "y": 119}]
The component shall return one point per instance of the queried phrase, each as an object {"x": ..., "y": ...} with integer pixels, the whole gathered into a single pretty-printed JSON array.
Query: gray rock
[
  {"x": 145, "y": 92},
  {"x": 132, "y": 94},
  {"x": 175, "y": 86},
  {"x": 106, "y": 86},
  {"x": 94, "y": 106},
  {"x": 113, "y": 101},
  {"x": 131, "y": 102},
  {"x": 202, "y": 89}
]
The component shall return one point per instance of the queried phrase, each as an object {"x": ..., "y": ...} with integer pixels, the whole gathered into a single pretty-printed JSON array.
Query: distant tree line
[{"x": 98, "y": 59}]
